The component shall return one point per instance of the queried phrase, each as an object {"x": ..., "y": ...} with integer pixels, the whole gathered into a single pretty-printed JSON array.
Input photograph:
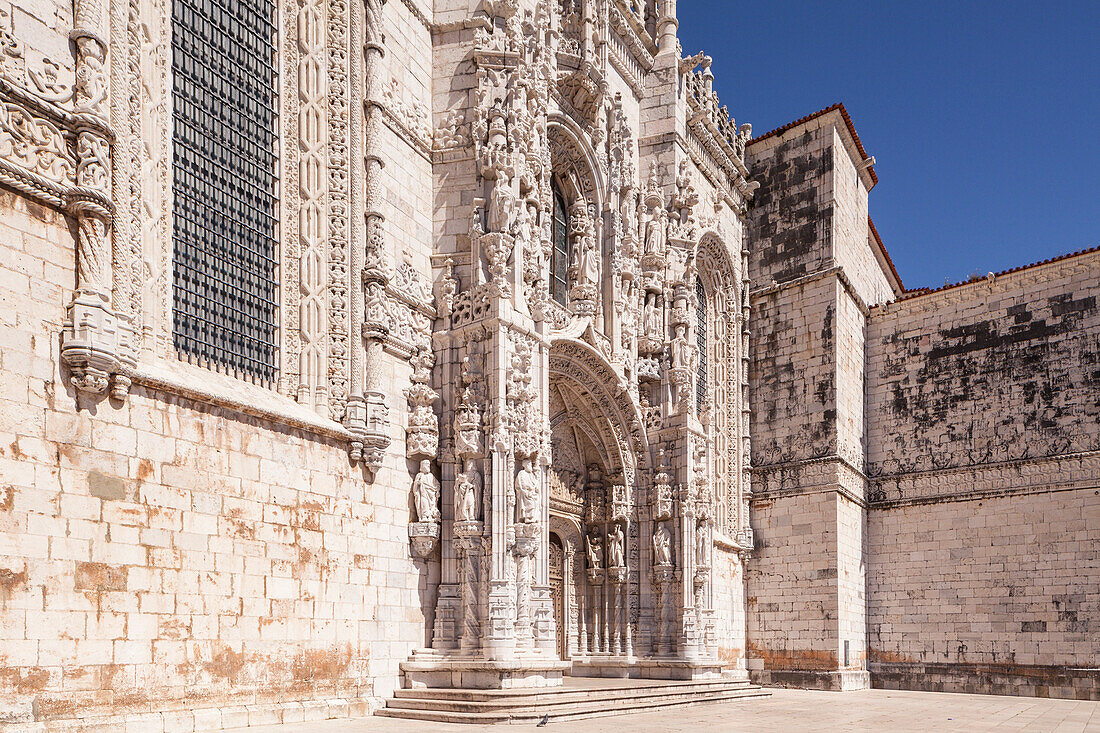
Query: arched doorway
[{"x": 599, "y": 460}]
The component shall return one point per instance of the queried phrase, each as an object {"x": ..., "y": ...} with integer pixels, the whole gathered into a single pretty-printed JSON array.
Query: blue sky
[{"x": 984, "y": 117}]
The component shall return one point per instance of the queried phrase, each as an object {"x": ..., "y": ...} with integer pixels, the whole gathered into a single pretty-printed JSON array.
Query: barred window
[
  {"x": 701, "y": 343},
  {"x": 559, "y": 260},
  {"x": 224, "y": 135}
]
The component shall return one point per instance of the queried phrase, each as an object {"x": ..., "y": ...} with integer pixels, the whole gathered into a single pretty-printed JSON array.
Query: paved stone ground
[{"x": 793, "y": 710}]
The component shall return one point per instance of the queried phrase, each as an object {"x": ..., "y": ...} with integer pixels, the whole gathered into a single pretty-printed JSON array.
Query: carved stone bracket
[{"x": 424, "y": 537}]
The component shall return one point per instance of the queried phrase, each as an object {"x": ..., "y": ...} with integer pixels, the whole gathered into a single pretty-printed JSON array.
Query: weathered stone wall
[
  {"x": 729, "y": 608},
  {"x": 984, "y": 426},
  {"x": 991, "y": 371},
  {"x": 994, "y": 594},
  {"x": 793, "y": 373},
  {"x": 792, "y": 211},
  {"x": 791, "y": 587},
  {"x": 851, "y": 243},
  {"x": 164, "y": 552}
]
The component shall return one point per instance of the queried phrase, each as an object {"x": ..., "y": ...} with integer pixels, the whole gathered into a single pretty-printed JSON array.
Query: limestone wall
[
  {"x": 792, "y": 210},
  {"x": 165, "y": 552},
  {"x": 791, "y": 587},
  {"x": 852, "y": 245},
  {"x": 793, "y": 373},
  {"x": 984, "y": 426}
]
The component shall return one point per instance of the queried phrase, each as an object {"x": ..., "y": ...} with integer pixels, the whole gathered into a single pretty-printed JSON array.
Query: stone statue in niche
[
  {"x": 588, "y": 271},
  {"x": 702, "y": 544},
  {"x": 501, "y": 205},
  {"x": 615, "y": 547},
  {"x": 594, "y": 548},
  {"x": 527, "y": 492},
  {"x": 654, "y": 234},
  {"x": 426, "y": 494},
  {"x": 662, "y": 545},
  {"x": 468, "y": 493},
  {"x": 681, "y": 358},
  {"x": 652, "y": 317}
]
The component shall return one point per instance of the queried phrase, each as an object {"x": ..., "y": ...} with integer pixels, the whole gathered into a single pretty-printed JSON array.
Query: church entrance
[{"x": 596, "y": 442}]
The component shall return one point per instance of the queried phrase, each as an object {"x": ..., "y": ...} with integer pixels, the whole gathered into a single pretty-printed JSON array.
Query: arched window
[
  {"x": 559, "y": 259},
  {"x": 701, "y": 343}
]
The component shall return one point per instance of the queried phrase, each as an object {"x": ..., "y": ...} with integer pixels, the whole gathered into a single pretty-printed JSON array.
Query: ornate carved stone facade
[{"x": 509, "y": 434}]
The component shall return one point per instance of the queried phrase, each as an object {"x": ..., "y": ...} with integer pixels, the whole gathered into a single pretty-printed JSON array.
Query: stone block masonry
[
  {"x": 171, "y": 554},
  {"x": 984, "y": 531},
  {"x": 926, "y": 471}
]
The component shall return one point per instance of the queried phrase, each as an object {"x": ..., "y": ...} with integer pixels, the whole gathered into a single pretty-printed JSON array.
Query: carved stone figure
[
  {"x": 468, "y": 493},
  {"x": 594, "y": 548},
  {"x": 426, "y": 494},
  {"x": 702, "y": 545},
  {"x": 662, "y": 545},
  {"x": 615, "y": 541},
  {"x": 654, "y": 234},
  {"x": 527, "y": 492},
  {"x": 588, "y": 273},
  {"x": 652, "y": 317},
  {"x": 502, "y": 205},
  {"x": 681, "y": 356}
]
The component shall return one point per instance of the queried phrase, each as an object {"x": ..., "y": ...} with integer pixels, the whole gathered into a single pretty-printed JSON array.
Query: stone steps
[{"x": 569, "y": 702}]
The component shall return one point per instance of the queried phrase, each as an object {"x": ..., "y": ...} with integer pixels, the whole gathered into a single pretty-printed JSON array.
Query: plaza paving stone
[{"x": 793, "y": 710}]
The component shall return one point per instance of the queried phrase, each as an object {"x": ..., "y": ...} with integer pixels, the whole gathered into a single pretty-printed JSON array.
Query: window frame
[
  {"x": 225, "y": 288},
  {"x": 561, "y": 247}
]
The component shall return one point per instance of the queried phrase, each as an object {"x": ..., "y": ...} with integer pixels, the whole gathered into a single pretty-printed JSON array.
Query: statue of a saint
[
  {"x": 594, "y": 548},
  {"x": 501, "y": 205},
  {"x": 654, "y": 234},
  {"x": 468, "y": 493},
  {"x": 426, "y": 494},
  {"x": 681, "y": 359},
  {"x": 662, "y": 545},
  {"x": 615, "y": 547},
  {"x": 589, "y": 271},
  {"x": 527, "y": 492},
  {"x": 652, "y": 317},
  {"x": 702, "y": 544}
]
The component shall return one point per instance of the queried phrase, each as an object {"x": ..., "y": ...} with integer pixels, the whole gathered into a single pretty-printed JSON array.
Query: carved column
[
  {"x": 310, "y": 364},
  {"x": 367, "y": 412},
  {"x": 570, "y": 608},
  {"x": 96, "y": 342},
  {"x": 745, "y": 535},
  {"x": 688, "y": 641},
  {"x": 422, "y": 445}
]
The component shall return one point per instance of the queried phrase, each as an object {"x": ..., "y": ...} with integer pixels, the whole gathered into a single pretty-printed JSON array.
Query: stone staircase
[{"x": 579, "y": 697}]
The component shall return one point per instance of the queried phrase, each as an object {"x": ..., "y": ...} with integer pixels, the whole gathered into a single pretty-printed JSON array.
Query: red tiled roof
[
  {"x": 918, "y": 292},
  {"x": 839, "y": 106}
]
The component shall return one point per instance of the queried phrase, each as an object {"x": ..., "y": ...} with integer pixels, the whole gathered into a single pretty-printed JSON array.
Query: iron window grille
[{"x": 224, "y": 179}]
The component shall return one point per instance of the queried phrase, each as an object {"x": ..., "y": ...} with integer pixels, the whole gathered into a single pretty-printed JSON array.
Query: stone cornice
[
  {"x": 837, "y": 270},
  {"x": 823, "y": 474},
  {"x": 1070, "y": 472}
]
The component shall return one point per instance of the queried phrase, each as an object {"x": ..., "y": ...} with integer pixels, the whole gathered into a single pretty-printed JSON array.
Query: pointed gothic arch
[
  {"x": 719, "y": 285},
  {"x": 574, "y": 161}
]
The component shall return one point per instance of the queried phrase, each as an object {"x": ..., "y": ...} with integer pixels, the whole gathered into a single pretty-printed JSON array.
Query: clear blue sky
[{"x": 984, "y": 117}]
